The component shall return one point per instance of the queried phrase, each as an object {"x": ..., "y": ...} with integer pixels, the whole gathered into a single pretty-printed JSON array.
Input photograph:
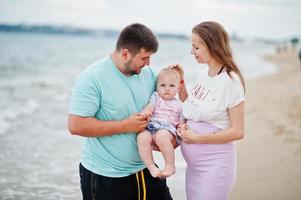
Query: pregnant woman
[{"x": 214, "y": 110}]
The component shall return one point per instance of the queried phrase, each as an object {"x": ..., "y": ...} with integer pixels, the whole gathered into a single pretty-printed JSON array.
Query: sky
[{"x": 246, "y": 18}]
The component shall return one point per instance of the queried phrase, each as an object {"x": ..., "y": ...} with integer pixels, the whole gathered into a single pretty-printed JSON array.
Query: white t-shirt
[{"x": 211, "y": 97}]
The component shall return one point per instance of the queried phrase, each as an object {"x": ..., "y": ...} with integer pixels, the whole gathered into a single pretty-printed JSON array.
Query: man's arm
[{"x": 92, "y": 127}]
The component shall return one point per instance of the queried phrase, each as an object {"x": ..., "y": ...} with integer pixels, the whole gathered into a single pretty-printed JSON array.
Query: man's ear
[{"x": 125, "y": 54}]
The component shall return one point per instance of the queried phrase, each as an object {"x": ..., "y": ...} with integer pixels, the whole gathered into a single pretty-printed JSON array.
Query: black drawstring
[{"x": 220, "y": 70}]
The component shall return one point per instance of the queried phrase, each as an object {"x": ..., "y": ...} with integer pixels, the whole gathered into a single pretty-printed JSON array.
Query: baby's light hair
[{"x": 170, "y": 71}]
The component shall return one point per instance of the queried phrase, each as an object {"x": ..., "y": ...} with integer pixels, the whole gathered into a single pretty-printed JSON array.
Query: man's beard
[{"x": 128, "y": 68}]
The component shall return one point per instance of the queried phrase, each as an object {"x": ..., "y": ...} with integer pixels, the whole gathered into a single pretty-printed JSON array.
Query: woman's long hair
[{"x": 217, "y": 41}]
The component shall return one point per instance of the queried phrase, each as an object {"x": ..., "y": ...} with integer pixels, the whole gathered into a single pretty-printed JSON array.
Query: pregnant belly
[{"x": 196, "y": 153}]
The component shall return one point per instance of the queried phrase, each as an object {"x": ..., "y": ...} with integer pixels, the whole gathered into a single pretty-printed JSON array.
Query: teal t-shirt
[{"x": 105, "y": 93}]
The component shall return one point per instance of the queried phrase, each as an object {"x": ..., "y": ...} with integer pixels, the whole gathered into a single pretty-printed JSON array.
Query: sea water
[{"x": 39, "y": 158}]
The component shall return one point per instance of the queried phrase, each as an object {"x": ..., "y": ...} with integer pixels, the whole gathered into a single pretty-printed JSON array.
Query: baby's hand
[{"x": 146, "y": 114}]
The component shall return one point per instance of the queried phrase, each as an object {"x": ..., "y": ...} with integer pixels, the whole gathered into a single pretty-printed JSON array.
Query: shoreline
[{"x": 269, "y": 157}]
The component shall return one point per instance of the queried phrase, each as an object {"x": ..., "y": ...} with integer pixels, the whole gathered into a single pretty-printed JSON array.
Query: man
[{"x": 104, "y": 108}]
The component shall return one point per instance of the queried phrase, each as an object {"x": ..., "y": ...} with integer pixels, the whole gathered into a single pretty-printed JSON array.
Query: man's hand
[{"x": 135, "y": 123}]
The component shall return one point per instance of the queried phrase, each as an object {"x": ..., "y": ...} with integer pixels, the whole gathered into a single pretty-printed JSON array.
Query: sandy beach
[{"x": 269, "y": 157}]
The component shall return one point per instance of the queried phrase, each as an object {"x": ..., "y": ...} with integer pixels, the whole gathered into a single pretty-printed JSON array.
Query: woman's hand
[
  {"x": 179, "y": 68},
  {"x": 186, "y": 134},
  {"x": 183, "y": 94}
]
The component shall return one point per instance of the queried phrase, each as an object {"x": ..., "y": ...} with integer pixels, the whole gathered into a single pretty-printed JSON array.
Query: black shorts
[{"x": 138, "y": 186}]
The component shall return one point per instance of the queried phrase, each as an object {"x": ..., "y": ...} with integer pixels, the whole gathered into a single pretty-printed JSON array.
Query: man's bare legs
[
  {"x": 144, "y": 140},
  {"x": 164, "y": 140}
]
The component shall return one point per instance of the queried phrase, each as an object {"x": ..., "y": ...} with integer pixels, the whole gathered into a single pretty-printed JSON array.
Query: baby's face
[{"x": 167, "y": 86}]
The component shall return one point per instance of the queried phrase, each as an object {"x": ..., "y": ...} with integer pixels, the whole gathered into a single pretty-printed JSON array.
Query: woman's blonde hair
[{"x": 217, "y": 41}]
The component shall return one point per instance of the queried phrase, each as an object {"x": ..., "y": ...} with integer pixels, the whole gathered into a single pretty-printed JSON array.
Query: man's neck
[{"x": 116, "y": 59}]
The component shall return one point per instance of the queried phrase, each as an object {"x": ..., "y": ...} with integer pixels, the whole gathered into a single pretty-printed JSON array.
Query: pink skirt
[{"x": 211, "y": 168}]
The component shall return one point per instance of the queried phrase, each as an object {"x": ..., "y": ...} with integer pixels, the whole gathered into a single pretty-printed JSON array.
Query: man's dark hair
[{"x": 135, "y": 37}]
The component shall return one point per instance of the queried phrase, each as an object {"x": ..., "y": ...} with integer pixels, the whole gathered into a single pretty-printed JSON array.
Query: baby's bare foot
[
  {"x": 168, "y": 170},
  {"x": 155, "y": 172}
]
